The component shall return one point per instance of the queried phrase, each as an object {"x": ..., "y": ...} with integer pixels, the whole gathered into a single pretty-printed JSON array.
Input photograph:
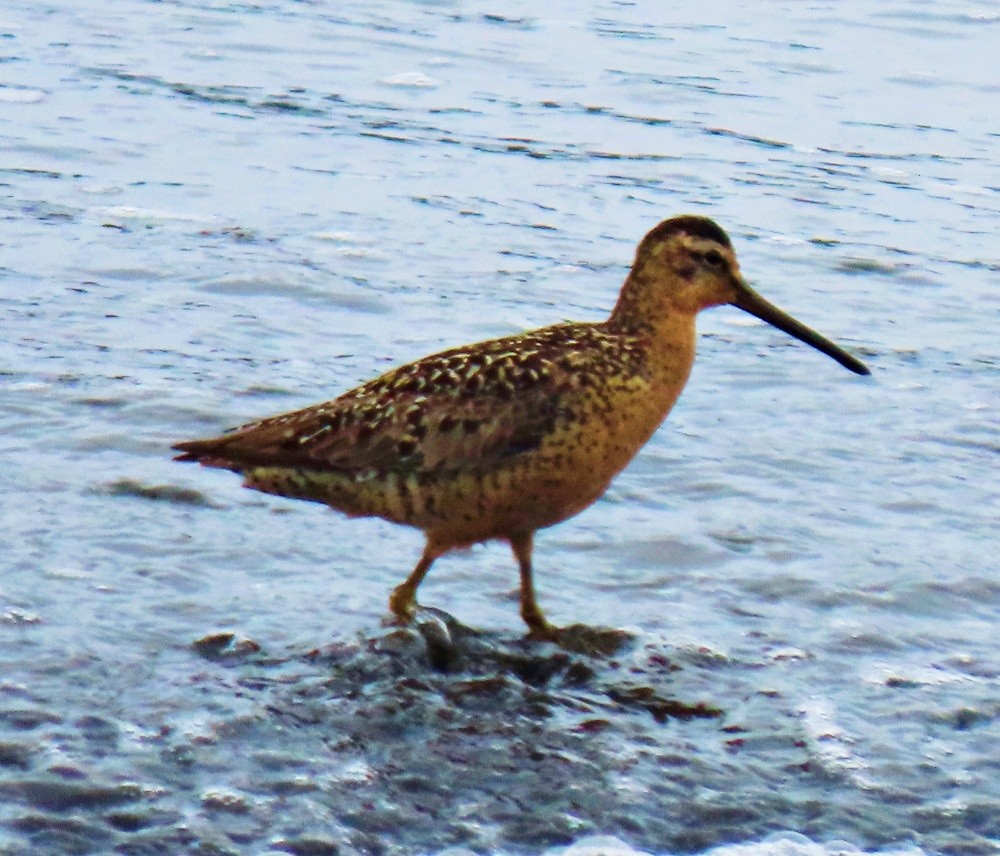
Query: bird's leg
[
  {"x": 531, "y": 612},
  {"x": 403, "y": 600}
]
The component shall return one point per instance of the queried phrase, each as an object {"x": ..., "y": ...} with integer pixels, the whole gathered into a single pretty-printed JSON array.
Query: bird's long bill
[{"x": 750, "y": 301}]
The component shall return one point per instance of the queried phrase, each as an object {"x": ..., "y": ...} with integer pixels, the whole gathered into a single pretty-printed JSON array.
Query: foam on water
[{"x": 778, "y": 844}]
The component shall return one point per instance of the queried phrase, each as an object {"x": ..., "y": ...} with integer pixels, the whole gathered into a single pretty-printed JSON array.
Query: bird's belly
[
  {"x": 505, "y": 502},
  {"x": 455, "y": 509}
]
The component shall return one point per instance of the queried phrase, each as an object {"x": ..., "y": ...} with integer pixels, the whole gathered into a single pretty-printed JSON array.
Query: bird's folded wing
[{"x": 450, "y": 411}]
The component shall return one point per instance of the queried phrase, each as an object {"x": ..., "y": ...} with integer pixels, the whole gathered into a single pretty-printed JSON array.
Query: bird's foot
[
  {"x": 542, "y": 631},
  {"x": 403, "y": 605}
]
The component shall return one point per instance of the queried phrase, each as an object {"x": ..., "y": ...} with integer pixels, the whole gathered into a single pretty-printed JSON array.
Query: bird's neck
[
  {"x": 665, "y": 331},
  {"x": 644, "y": 302},
  {"x": 658, "y": 316}
]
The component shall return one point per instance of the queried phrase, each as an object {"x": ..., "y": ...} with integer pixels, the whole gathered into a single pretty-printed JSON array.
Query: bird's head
[
  {"x": 690, "y": 262},
  {"x": 686, "y": 264}
]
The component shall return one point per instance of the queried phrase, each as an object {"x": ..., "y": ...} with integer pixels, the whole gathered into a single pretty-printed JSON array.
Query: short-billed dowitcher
[{"x": 499, "y": 439}]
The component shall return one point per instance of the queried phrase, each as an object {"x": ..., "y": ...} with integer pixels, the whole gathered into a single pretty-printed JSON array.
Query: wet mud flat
[{"x": 414, "y": 740}]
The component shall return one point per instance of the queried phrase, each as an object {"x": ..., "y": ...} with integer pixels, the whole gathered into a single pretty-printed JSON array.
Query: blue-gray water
[{"x": 215, "y": 211}]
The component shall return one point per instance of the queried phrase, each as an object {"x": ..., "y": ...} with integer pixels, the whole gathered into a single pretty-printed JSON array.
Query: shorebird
[{"x": 502, "y": 438}]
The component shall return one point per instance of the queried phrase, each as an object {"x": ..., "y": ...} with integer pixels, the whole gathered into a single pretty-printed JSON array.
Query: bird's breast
[{"x": 600, "y": 432}]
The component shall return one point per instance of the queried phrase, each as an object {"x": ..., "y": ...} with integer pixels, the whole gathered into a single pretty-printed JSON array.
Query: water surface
[{"x": 218, "y": 211}]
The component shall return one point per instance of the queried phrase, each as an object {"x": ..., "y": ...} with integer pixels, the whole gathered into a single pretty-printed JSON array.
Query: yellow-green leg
[
  {"x": 531, "y": 612},
  {"x": 403, "y": 600}
]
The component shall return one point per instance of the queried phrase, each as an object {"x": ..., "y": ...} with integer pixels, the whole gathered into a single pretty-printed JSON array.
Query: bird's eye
[{"x": 712, "y": 258}]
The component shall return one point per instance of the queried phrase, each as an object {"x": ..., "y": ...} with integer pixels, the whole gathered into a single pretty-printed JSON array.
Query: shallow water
[{"x": 217, "y": 211}]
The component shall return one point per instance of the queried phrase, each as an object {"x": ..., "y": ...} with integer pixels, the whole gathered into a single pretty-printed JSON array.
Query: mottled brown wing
[{"x": 450, "y": 411}]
